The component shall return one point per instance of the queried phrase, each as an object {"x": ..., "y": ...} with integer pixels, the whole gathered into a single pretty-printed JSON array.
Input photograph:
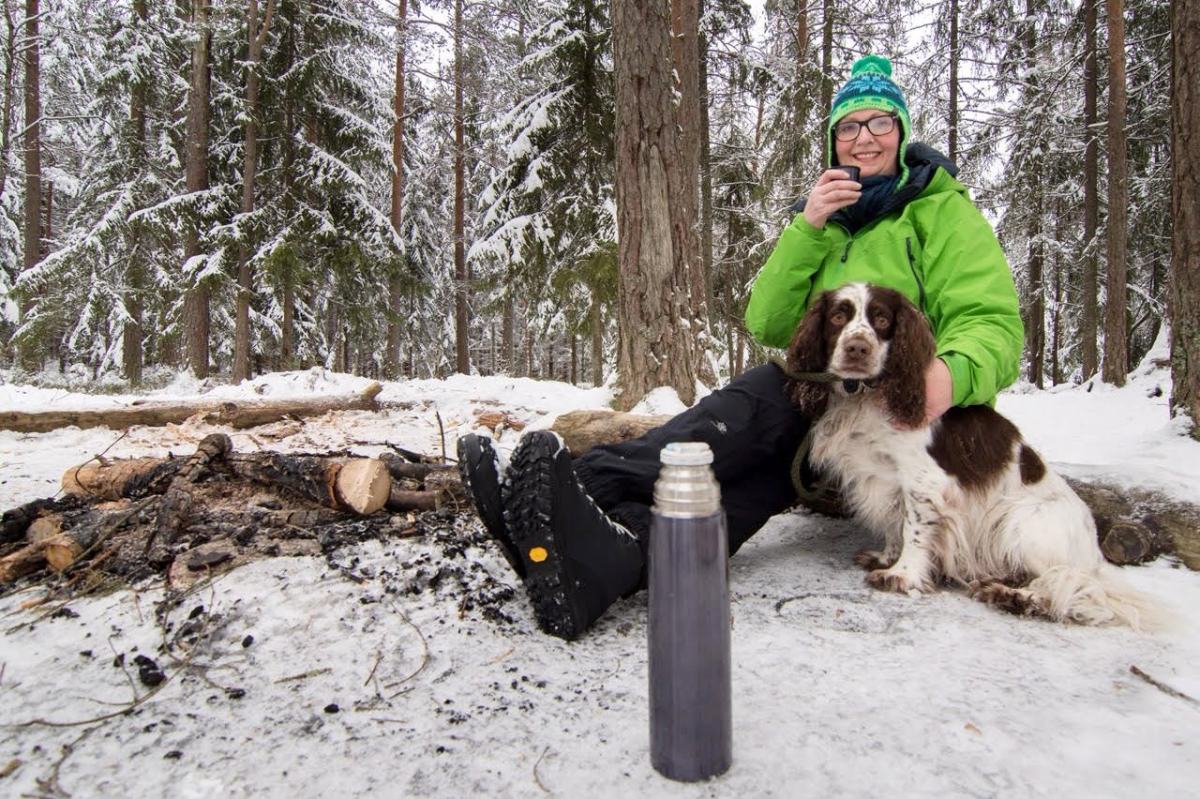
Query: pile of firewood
[{"x": 215, "y": 508}]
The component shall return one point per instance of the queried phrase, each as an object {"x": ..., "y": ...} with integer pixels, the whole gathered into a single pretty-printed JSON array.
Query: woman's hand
[
  {"x": 939, "y": 389},
  {"x": 834, "y": 190},
  {"x": 939, "y": 395}
]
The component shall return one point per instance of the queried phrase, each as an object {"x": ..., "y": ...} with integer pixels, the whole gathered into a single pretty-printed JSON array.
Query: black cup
[{"x": 852, "y": 171}]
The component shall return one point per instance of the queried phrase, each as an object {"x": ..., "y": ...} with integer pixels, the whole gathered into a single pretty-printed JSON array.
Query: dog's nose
[{"x": 857, "y": 349}]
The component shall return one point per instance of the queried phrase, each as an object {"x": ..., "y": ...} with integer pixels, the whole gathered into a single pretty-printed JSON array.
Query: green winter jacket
[{"x": 934, "y": 247}]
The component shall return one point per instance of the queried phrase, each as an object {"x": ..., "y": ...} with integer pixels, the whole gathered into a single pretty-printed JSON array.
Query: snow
[{"x": 839, "y": 690}]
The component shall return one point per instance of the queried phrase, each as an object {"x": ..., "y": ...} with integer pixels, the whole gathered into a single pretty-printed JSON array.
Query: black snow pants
[{"x": 754, "y": 432}]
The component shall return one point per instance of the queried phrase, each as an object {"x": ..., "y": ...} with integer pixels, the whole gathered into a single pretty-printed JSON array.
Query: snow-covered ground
[{"x": 363, "y": 676}]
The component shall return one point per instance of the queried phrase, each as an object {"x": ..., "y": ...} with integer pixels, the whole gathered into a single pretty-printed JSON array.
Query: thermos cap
[{"x": 686, "y": 453}]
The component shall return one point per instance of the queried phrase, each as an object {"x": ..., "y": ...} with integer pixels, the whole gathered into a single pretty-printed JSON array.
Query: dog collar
[{"x": 852, "y": 387}]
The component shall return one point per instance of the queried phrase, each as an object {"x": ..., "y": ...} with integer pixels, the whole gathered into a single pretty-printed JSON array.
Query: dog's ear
[
  {"x": 809, "y": 352},
  {"x": 911, "y": 350},
  {"x": 809, "y": 398}
]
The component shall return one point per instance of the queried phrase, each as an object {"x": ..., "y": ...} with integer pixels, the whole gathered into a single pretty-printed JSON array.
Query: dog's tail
[{"x": 1097, "y": 596}]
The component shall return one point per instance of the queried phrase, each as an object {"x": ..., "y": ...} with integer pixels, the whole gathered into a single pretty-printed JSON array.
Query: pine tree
[{"x": 549, "y": 208}]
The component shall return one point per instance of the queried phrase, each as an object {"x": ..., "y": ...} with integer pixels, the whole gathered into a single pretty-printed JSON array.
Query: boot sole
[
  {"x": 529, "y": 514},
  {"x": 497, "y": 530}
]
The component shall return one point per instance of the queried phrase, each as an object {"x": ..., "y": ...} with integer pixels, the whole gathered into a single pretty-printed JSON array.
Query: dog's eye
[
  {"x": 882, "y": 322},
  {"x": 837, "y": 318}
]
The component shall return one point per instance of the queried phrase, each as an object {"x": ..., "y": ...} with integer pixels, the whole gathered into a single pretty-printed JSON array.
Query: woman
[{"x": 576, "y": 532}]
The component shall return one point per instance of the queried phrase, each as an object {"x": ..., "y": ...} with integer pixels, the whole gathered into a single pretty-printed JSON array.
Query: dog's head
[{"x": 862, "y": 332}]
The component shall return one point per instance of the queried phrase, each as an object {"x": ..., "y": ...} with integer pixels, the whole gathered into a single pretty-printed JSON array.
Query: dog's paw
[
  {"x": 1017, "y": 601},
  {"x": 872, "y": 560},
  {"x": 897, "y": 581}
]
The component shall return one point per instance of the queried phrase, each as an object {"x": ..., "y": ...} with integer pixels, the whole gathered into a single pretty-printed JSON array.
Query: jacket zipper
[
  {"x": 849, "y": 241},
  {"x": 912, "y": 264}
]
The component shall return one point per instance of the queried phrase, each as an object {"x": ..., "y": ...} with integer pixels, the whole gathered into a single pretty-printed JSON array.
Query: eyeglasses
[{"x": 876, "y": 126}]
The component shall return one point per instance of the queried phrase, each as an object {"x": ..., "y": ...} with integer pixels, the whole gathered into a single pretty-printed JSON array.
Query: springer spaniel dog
[{"x": 962, "y": 500}]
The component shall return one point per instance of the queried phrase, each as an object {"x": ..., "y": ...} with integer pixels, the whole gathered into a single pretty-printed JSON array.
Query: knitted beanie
[{"x": 870, "y": 86}]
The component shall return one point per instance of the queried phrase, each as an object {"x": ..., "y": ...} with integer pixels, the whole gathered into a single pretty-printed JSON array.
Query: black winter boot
[
  {"x": 480, "y": 468},
  {"x": 577, "y": 560}
]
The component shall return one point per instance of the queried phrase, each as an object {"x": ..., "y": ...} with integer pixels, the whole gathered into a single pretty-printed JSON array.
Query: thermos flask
[{"x": 690, "y": 703}]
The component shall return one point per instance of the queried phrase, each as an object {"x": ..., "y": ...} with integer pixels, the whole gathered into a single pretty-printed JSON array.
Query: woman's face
[{"x": 873, "y": 155}]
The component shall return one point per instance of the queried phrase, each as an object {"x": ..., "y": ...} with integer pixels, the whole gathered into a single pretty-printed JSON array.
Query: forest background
[{"x": 412, "y": 189}]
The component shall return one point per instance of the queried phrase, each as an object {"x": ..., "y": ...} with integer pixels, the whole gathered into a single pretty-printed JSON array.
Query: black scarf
[{"x": 878, "y": 192}]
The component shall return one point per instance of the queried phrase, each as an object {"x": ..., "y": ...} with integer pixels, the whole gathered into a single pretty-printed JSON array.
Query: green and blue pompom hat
[{"x": 870, "y": 86}]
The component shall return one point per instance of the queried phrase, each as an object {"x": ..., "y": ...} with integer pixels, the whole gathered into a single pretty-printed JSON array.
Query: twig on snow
[
  {"x": 304, "y": 676},
  {"x": 441, "y": 434},
  {"x": 537, "y": 778},
  {"x": 378, "y": 658},
  {"x": 1166, "y": 689},
  {"x": 50, "y": 785},
  {"x": 124, "y": 711},
  {"x": 424, "y": 653}
]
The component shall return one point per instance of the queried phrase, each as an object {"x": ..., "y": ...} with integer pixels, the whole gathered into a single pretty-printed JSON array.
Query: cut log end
[
  {"x": 1128, "y": 543},
  {"x": 364, "y": 485},
  {"x": 61, "y": 551}
]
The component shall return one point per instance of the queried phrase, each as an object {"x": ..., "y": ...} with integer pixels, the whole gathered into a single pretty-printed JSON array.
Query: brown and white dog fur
[{"x": 963, "y": 499}]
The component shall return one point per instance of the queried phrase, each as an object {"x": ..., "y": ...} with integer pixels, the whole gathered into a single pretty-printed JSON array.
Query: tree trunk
[
  {"x": 952, "y": 149},
  {"x": 1035, "y": 327},
  {"x": 1089, "y": 315},
  {"x": 1060, "y": 223},
  {"x": 287, "y": 332},
  {"x": 508, "y": 348},
  {"x": 597, "y": 323},
  {"x": 132, "y": 356},
  {"x": 1035, "y": 332},
  {"x": 462, "y": 320},
  {"x": 33, "y": 162},
  {"x": 1185, "y": 210},
  {"x": 197, "y": 299},
  {"x": 827, "y": 56},
  {"x": 257, "y": 37},
  {"x": 10, "y": 79},
  {"x": 706, "y": 204},
  {"x": 391, "y": 361},
  {"x": 685, "y": 54},
  {"x": 802, "y": 98},
  {"x": 1116, "y": 343},
  {"x": 653, "y": 195},
  {"x": 574, "y": 358}
]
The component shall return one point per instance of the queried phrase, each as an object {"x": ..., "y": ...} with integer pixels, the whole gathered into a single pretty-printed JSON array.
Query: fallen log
[
  {"x": 1134, "y": 525},
  {"x": 401, "y": 469},
  {"x": 1137, "y": 524},
  {"x": 177, "y": 499},
  {"x": 401, "y": 500},
  {"x": 360, "y": 485},
  {"x": 582, "y": 430},
  {"x": 238, "y": 415},
  {"x": 133, "y": 478}
]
